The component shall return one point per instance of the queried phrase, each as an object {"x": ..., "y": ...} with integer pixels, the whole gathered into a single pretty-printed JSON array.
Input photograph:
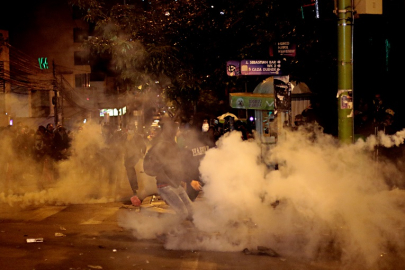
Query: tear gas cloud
[
  {"x": 94, "y": 171},
  {"x": 89, "y": 175},
  {"x": 332, "y": 199}
]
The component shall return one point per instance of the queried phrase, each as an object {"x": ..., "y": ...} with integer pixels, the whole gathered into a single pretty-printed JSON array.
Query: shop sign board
[
  {"x": 233, "y": 68},
  {"x": 283, "y": 49},
  {"x": 260, "y": 67},
  {"x": 251, "y": 101}
]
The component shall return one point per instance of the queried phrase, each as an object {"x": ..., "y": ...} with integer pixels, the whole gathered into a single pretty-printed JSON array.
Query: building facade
[{"x": 47, "y": 73}]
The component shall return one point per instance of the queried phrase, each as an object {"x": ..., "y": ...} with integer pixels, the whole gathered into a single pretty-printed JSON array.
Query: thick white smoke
[
  {"x": 92, "y": 173},
  {"x": 326, "y": 199}
]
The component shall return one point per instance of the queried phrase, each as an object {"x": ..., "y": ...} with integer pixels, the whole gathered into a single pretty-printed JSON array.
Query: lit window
[{"x": 82, "y": 80}]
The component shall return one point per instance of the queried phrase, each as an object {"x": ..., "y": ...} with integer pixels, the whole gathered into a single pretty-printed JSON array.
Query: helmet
[{"x": 389, "y": 111}]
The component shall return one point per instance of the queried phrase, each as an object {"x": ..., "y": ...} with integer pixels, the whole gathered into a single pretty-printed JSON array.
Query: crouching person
[{"x": 164, "y": 160}]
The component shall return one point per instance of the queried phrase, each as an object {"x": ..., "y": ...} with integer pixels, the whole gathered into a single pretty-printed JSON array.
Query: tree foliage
[{"x": 185, "y": 44}]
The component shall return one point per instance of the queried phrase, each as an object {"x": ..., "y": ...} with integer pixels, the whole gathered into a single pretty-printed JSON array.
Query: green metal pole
[{"x": 345, "y": 68}]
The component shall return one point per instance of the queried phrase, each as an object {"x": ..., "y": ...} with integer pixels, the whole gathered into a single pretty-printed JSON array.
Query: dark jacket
[
  {"x": 134, "y": 150},
  {"x": 61, "y": 143},
  {"x": 169, "y": 167},
  {"x": 197, "y": 144},
  {"x": 165, "y": 158}
]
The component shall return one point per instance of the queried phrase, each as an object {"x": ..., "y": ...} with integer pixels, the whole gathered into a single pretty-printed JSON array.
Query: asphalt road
[{"x": 89, "y": 237}]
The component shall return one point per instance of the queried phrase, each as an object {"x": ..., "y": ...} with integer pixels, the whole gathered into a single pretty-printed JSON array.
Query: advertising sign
[
  {"x": 251, "y": 101},
  {"x": 260, "y": 67},
  {"x": 283, "y": 48},
  {"x": 43, "y": 63},
  {"x": 233, "y": 68},
  {"x": 113, "y": 112},
  {"x": 346, "y": 102},
  {"x": 283, "y": 95}
]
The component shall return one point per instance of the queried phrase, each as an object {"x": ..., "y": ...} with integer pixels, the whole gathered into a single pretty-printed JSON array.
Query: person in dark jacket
[
  {"x": 61, "y": 143},
  {"x": 135, "y": 149},
  {"x": 167, "y": 163},
  {"x": 198, "y": 141},
  {"x": 22, "y": 142}
]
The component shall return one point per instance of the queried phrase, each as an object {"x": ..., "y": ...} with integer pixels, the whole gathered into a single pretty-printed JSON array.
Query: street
[
  {"x": 62, "y": 228},
  {"x": 98, "y": 234},
  {"x": 88, "y": 237},
  {"x": 91, "y": 235}
]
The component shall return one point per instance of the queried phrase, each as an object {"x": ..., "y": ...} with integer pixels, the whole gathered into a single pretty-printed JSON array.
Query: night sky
[{"x": 16, "y": 15}]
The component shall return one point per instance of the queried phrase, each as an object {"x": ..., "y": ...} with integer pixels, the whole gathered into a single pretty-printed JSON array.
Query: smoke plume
[
  {"x": 92, "y": 173},
  {"x": 325, "y": 200}
]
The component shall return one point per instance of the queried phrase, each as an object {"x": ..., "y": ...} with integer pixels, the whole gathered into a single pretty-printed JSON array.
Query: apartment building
[{"x": 59, "y": 86}]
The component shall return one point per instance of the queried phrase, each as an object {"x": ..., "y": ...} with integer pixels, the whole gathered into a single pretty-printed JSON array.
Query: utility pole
[
  {"x": 62, "y": 120},
  {"x": 55, "y": 97},
  {"x": 5, "y": 87},
  {"x": 345, "y": 12}
]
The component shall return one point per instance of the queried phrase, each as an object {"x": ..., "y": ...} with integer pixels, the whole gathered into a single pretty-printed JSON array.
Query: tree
[{"x": 185, "y": 44}]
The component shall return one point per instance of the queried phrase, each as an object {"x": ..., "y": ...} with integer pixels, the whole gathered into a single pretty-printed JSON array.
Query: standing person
[
  {"x": 31, "y": 142},
  {"x": 48, "y": 169},
  {"x": 240, "y": 126},
  {"x": 135, "y": 149},
  {"x": 49, "y": 140},
  {"x": 312, "y": 114},
  {"x": 114, "y": 155},
  {"x": 22, "y": 141},
  {"x": 378, "y": 108},
  {"x": 216, "y": 129},
  {"x": 61, "y": 143},
  {"x": 164, "y": 161},
  {"x": 39, "y": 153},
  {"x": 39, "y": 146},
  {"x": 7, "y": 157}
]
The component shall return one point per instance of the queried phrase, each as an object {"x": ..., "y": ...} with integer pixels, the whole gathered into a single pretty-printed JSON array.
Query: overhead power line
[{"x": 24, "y": 71}]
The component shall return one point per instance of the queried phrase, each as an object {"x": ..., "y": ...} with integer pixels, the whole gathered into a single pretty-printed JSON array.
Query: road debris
[
  {"x": 35, "y": 240},
  {"x": 153, "y": 201},
  {"x": 275, "y": 204},
  {"x": 58, "y": 234},
  {"x": 261, "y": 251},
  {"x": 95, "y": 266}
]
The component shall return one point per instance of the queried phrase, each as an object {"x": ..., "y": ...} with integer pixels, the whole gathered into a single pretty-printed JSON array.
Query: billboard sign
[
  {"x": 233, "y": 68},
  {"x": 113, "y": 112},
  {"x": 283, "y": 48},
  {"x": 43, "y": 63},
  {"x": 251, "y": 101},
  {"x": 260, "y": 67}
]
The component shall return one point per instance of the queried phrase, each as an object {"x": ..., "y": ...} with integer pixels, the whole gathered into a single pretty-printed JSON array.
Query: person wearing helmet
[{"x": 388, "y": 122}]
